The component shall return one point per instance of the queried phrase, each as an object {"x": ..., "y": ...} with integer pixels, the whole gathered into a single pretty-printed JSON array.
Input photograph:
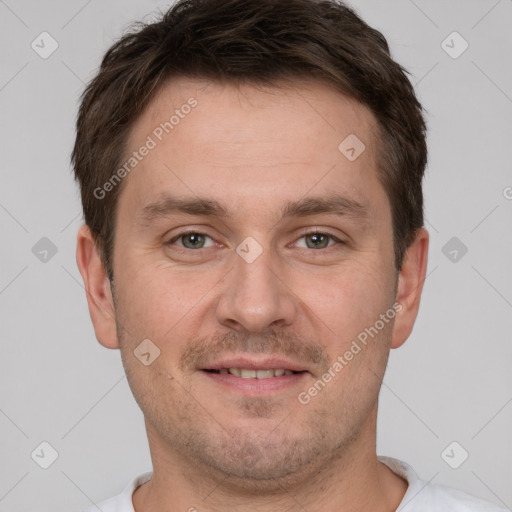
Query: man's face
[{"x": 249, "y": 287}]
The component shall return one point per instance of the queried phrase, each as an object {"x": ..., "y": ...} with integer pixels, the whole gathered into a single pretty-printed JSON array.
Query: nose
[{"x": 255, "y": 297}]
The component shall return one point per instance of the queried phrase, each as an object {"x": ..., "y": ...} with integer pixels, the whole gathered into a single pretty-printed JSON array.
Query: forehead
[
  {"x": 248, "y": 142},
  {"x": 241, "y": 111}
]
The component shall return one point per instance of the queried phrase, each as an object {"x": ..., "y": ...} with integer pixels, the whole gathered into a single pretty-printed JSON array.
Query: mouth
[
  {"x": 253, "y": 376},
  {"x": 249, "y": 373}
]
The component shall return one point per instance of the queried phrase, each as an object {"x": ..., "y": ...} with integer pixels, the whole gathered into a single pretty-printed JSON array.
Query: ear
[
  {"x": 97, "y": 287},
  {"x": 409, "y": 288}
]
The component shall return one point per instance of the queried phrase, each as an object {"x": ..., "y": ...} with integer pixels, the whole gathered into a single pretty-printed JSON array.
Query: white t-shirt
[{"x": 420, "y": 496}]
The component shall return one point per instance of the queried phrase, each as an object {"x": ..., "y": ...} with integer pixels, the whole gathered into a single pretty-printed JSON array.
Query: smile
[{"x": 249, "y": 373}]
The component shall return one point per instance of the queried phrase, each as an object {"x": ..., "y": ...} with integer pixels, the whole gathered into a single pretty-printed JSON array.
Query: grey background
[{"x": 451, "y": 381}]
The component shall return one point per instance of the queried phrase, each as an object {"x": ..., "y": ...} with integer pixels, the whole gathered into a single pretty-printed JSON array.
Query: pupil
[
  {"x": 317, "y": 239},
  {"x": 193, "y": 239}
]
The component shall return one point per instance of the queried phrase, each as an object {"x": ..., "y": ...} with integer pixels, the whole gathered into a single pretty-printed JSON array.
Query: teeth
[
  {"x": 264, "y": 374},
  {"x": 246, "y": 373}
]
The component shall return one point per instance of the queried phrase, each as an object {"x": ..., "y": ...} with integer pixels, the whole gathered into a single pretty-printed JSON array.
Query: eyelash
[{"x": 314, "y": 232}]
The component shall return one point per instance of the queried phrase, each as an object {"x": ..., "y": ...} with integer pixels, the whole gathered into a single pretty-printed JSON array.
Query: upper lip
[{"x": 256, "y": 363}]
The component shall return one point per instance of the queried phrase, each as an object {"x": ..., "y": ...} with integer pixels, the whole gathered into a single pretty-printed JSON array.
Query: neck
[{"x": 353, "y": 480}]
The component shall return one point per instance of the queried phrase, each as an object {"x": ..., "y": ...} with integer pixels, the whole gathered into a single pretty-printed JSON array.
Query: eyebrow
[{"x": 168, "y": 205}]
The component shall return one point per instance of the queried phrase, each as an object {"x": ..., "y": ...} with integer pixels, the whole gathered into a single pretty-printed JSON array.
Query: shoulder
[
  {"x": 427, "y": 497},
  {"x": 439, "y": 497},
  {"x": 122, "y": 502}
]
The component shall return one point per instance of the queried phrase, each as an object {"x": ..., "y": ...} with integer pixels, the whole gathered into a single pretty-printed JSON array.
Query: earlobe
[
  {"x": 410, "y": 285},
  {"x": 97, "y": 286}
]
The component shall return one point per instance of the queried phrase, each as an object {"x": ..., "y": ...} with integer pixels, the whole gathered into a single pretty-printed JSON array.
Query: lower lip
[{"x": 256, "y": 386}]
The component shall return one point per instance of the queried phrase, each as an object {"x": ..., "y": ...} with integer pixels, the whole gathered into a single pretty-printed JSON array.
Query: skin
[{"x": 254, "y": 148}]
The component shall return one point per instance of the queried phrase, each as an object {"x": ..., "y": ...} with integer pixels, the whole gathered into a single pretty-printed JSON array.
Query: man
[{"x": 251, "y": 176}]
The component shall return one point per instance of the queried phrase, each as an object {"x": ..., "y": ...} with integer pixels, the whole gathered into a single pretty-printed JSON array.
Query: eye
[
  {"x": 191, "y": 240},
  {"x": 318, "y": 240},
  {"x": 196, "y": 240}
]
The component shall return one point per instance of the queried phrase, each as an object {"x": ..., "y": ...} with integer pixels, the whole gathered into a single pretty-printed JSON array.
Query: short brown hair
[{"x": 258, "y": 41}]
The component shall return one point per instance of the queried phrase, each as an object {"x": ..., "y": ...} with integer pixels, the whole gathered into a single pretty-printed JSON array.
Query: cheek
[
  {"x": 163, "y": 305},
  {"x": 351, "y": 298},
  {"x": 152, "y": 291}
]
